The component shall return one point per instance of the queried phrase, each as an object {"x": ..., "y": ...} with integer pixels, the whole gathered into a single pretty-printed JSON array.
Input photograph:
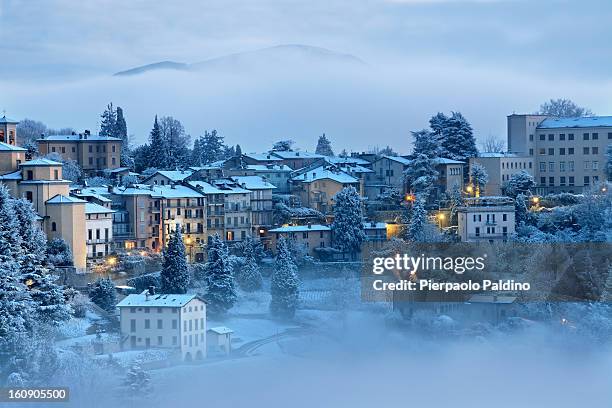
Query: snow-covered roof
[
  {"x": 173, "y": 175},
  {"x": 221, "y": 330},
  {"x": 444, "y": 160},
  {"x": 301, "y": 228},
  {"x": 297, "y": 154},
  {"x": 41, "y": 162},
  {"x": 374, "y": 225},
  {"x": 269, "y": 167},
  {"x": 119, "y": 170},
  {"x": 4, "y": 119},
  {"x": 85, "y": 193},
  {"x": 205, "y": 188},
  {"x": 496, "y": 155},
  {"x": 253, "y": 182},
  {"x": 79, "y": 138},
  {"x": 162, "y": 300},
  {"x": 590, "y": 121},
  {"x": 354, "y": 168},
  {"x": 230, "y": 187},
  {"x": 398, "y": 159},
  {"x": 16, "y": 175},
  {"x": 5, "y": 147},
  {"x": 92, "y": 208},
  {"x": 349, "y": 160},
  {"x": 62, "y": 199},
  {"x": 322, "y": 173},
  {"x": 262, "y": 156}
]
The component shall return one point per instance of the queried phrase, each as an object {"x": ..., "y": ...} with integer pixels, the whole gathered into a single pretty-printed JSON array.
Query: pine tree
[
  {"x": 120, "y": 130},
  {"x": 157, "y": 148},
  {"x": 519, "y": 183},
  {"x": 175, "y": 272},
  {"x": 347, "y": 228},
  {"x": 212, "y": 147},
  {"x": 420, "y": 175},
  {"x": 455, "y": 135},
  {"x": 478, "y": 177},
  {"x": 425, "y": 142},
  {"x": 283, "y": 146},
  {"x": 521, "y": 210},
  {"x": 324, "y": 146},
  {"x": 59, "y": 253},
  {"x": 415, "y": 231},
  {"x": 102, "y": 293},
  {"x": 137, "y": 381},
  {"x": 108, "y": 125},
  {"x": 285, "y": 282},
  {"x": 238, "y": 150},
  {"x": 176, "y": 142},
  {"x": 250, "y": 278},
  {"x": 196, "y": 152},
  {"x": 221, "y": 291}
]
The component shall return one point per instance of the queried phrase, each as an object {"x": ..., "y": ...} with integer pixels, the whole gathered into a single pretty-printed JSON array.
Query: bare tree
[
  {"x": 563, "y": 108},
  {"x": 493, "y": 144}
]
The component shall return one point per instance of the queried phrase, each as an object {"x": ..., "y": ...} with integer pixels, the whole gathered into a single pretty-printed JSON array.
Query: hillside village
[{"x": 174, "y": 249}]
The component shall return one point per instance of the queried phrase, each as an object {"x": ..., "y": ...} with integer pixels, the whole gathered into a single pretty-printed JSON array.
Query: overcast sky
[{"x": 485, "y": 58}]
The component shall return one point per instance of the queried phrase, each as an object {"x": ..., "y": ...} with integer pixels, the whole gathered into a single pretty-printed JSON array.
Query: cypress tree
[
  {"x": 285, "y": 282},
  {"x": 221, "y": 291},
  {"x": 157, "y": 148},
  {"x": 348, "y": 227}
]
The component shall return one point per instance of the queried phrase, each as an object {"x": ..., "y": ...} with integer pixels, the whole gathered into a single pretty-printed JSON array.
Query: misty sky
[{"x": 485, "y": 58}]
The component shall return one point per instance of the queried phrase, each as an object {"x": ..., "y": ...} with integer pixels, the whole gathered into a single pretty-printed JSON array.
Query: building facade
[
  {"x": 500, "y": 168},
  {"x": 486, "y": 219}
]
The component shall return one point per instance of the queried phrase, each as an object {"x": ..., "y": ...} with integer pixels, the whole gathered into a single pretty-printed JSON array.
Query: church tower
[{"x": 8, "y": 131}]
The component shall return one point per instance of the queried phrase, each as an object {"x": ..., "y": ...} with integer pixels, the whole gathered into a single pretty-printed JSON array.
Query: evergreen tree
[
  {"x": 250, "y": 278},
  {"x": 137, "y": 381},
  {"x": 519, "y": 183},
  {"x": 102, "y": 293},
  {"x": 455, "y": 135},
  {"x": 415, "y": 231},
  {"x": 238, "y": 150},
  {"x": 176, "y": 142},
  {"x": 521, "y": 214},
  {"x": 59, "y": 253},
  {"x": 425, "y": 142},
  {"x": 420, "y": 175},
  {"x": 609, "y": 162},
  {"x": 285, "y": 282},
  {"x": 196, "y": 153},
  {"x": 221, "y": 291},
  {"x": 606, "y": 295},
  {"x": 283, "y": 146},
  {"x": 108, "y": 124},
  {"x": 122, "y": 133},
  {"x": 478, "y": 177},
  {"x": 324, "y": 146},
  {"x": 175, "y": 272},
  {"x": 212, "y": 147},
  {"x": 157, "y": 156},
  {"x": 347, "y": 228}
]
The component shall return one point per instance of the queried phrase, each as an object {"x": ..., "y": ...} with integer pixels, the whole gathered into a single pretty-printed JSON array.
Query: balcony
[{"x": 98, "y": 241}]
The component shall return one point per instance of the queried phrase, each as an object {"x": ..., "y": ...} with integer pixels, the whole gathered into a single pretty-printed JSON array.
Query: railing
[{"x": 99, "y": 241}]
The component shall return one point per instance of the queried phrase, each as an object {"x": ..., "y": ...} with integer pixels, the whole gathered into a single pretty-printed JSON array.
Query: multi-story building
[
  {"x": 237, "y": 211},
  {"x": 500, "y": 167},
  {"x": 297, "y": 159},
  {"x": 388, "y": 173},
  {"x": 167, "y": 177},
  {"x": 276, "y": 174},
  {"x": 450, "y": 175},
  {"x": 92, "y": 152},
  {"x": 99, "y": 226},
  {"x": 317, "y": 187},
  {"x": 310, "y": 236},
  {"x": 215, "y": 208},
  {"x": 486, "y": 219},
  {"x": 568, "y": 153},
  {"x": 166, "y": 321},
  {"x": 261, "y": 202}
]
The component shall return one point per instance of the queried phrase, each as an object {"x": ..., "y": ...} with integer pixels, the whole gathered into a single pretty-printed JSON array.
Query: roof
[
  {"x": 4, "y": 119},
  {"x": 93, "y": 194},
  {"x": 322, "y": 173},
  {"x": 119, "y": 170},
  {"x": 62, "y": 199},
  {"x": 16, "y": 175},
  {"x": 374, "y": 225},
  {"x": 262, "y": 156},
  {"x": 444, "y": 160},
  {"x": 163, "y": 300},
  {"x": 301, "y": 228},
  {"x": 482, "y": 298},
  {"x": 398, "y": 159},
  {"x": 297, "y": 154},
  {"x": 41, "y": 162},
  {"x": 173, "y": 175},
  {"x": 354, "y": 168},
  {"x": 5, "y": 147},
  {"x": 590, "y": 121},
  {"x": 350, "y": 160},
  {"x": 92, "y": 208},
  {"x": 78, "y": 138},
  {"x": 205, "y": 188},
  {"x": 157, "y": 191},
  {"x": 253, "y": 182},
  {"x": 269, "y": 168},
  {"x": 221, "y": 330}
]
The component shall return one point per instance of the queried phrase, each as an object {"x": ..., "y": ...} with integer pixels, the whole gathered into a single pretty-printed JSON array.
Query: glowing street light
[
  {"x": 410, "y": 197},
  {"x": 111, "y": 261},
  {"x": 470, "y": 189},
  {"x": 535, "y": 200}
]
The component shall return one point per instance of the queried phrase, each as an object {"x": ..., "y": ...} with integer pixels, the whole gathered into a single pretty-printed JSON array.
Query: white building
[
  {"x": 164, "y": 321},
  {"x": 486, "y": 219},
  {"x": 99, "y": 226},
  {"x": 219, "y": 340}
]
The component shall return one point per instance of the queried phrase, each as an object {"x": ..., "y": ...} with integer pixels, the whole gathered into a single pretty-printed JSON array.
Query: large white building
[
  {"x": 486, "y": 219},
  {"x": 169, "y": 321}
]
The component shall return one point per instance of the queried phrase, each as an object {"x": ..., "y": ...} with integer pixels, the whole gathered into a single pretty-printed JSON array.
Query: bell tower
[{"x": 8, "y": 130}]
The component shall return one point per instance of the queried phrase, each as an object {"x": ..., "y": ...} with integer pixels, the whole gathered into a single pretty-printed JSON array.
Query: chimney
[
  {"x": 151, "y": 290},
  {"x": 80, "y": 136},
  {"x": 87, "y": 132},
  {"x": 309, "y": 225},
  {"x": 109, "y": 189},
  {"x": 42, "y": 135},
  {"x": 297, "y": 153},
  {"x": 73, "y": 133}
]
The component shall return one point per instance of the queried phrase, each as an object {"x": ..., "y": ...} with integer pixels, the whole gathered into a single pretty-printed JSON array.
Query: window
[
  {"x": 159, "y": 340},
  {"x": 571, "y": 165},
  {"x": 531, "y": 152},
  {"x": 585, "y": 150},
  {"x": 542, "y": 166},
  {"x": 551, "y": 151},
  {"x": 160, "y": 324},
  {"x": 595, "y": 150},
  {"x": 551, "y": 166},
  {"x": 609, "y": 135},
  {"x": 147, "y": 310},
  {"x": 585, "y": 136},
  {"x": 542, "y": 137},
  {"x": 477, "y": 231},
  {"x": 551, "y": 138},
  {"x": 561, "y": 166},
  {"x": 587, "y": 165},
  {"x": 147, "y": 324},
  {"x": 562, "y": 151},
  {"x": 174, "y": 340},
  {"x": 29, "y": 196},
  {"x": 90, "y": 149},
  {"x": 541, "y": 151},
  {"x": 595, "y": 136},
  {"x": 571, "y": 181},
  {"x": 570, "y": 151},
  {"x": 562, "y": 181},
  {"x": 30, "y": 175},
  {"x": 561, "y": 136},
  {"x": 543, "y": 181},
  {"x": 56, "y": 174},
  {"x": 551, "y": 181},
  {"x": 505, "y": 217},
  {"x": 174, "y": 323},
  {"x": 531, "y": 137},
  {"x": 53, "y": 226},
  {"x": 586, "y": 180},
  {"x": 570, "y": 136},
  {"x": 132, "y": 325},
  {"x": 595, "y": 165}
]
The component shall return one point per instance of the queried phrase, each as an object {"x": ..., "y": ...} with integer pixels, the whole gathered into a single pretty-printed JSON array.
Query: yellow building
[{"x": 317, "y": 187}]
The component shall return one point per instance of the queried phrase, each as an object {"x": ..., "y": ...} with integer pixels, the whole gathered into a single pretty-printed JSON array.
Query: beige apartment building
[
  {"x": 166, "y": 321},
  {"x": 500, "y": 167},
  {"x": 99, "y": 226},
  {"x": 568, "y": 153},
  {"x": 310, "y": 236},
  {"x": 261, "y": 202},
  {"x": 317, "y": 187},
  {"x": 92, "y": 152},
  {"x": 486, "y": 219},
  {"x": 450, "y": 175}
]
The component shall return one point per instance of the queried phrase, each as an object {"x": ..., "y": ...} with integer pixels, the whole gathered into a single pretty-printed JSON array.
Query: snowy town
[{"x": 189, "y": 252}]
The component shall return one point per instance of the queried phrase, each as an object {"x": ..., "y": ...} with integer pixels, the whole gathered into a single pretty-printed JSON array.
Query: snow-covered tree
[
  {"x": 102, "y": 293},
  {"x": 606, "y": 295},
  {"x": 521, "y": 214},
  {"x": 175, "y": 272},
  {"x": 211, "y": 147},
  {"x": 137, "y": 381},
  {"x": 196, "y": 152},
  {"x": 415, "y": 231},
  {"x": 157, "y": 155},
  {"x": 249, "y": 277},
  {"x": 609, "y": 162},
  {"x": 70, "y": 168},
  {"x": 519, "y": 183},
  {"x": 563, "y": 108},
  {"x": 285, "y": 285},
  {"x": 176, "y": 140},
  {"x": 59, "y": 253},
  {"x": 478, "y": 177},
  {"x": 221, "y": 291},
  {"x": 455, "y": 134},
  {"x": 324, "y": 146},
  {"x": 238, "y": 150},
  {"x": 283, "y": 146},
  {"x": 425, "y": 142},
  {"x": 28, "y": 131},
  {"x": 121, "y": 128},
  {"x": 347, "y": 228},
  {"x": 455, "y": 197},
  {"x": 108, "y": 124},
  {"x": 420, "y": 175}
]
